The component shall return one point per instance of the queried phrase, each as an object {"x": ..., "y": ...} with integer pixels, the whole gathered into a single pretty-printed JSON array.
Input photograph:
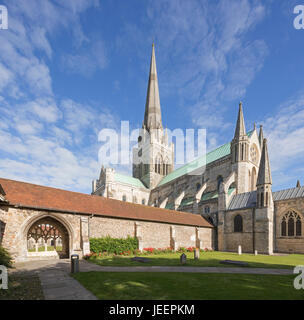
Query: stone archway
[{"x": 48, "y": 237}]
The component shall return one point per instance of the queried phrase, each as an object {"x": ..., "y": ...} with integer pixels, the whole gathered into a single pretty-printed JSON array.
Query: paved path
[
  {"x": 87, "y": 267},
  {"x": 55, "y": 280},
  {"x": 58, "y": 285}
]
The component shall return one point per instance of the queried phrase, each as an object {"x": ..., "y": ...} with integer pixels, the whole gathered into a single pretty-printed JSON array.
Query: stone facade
[{"x": 287, "y": 244}]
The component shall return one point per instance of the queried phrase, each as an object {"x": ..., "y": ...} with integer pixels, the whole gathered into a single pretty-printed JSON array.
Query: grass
[
  {"x": 49, "y": 248},
  {"x": 207, "y": 259},
  {"x": 188, "y": 286},
  {"x": 22, "y": 286}
]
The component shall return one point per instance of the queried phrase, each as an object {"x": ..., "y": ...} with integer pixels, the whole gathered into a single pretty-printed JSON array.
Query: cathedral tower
[
  {"x": 154, "y": 156},
  {"x": 240, "y": 153},
  {"x": 264, "y": 212}
]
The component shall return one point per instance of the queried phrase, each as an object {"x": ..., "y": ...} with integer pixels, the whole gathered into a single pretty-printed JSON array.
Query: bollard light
[{"x": 74, "y": 263}]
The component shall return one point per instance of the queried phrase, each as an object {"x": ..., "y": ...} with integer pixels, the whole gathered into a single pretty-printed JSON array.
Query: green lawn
[
  {"x": 188, "y": 286},
  {"x": 207, "y": 259},
  {"x": 49, "y": 248}
]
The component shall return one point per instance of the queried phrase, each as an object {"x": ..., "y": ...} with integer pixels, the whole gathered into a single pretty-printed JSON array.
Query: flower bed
[{"x": 145, "y": 251}]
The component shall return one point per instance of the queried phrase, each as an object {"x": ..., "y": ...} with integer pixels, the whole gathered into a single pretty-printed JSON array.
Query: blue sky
[{"x": 70, "y": 68}]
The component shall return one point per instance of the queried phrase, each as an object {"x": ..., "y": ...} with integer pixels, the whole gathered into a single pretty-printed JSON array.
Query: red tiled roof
[{"x": 39, "y": 197}]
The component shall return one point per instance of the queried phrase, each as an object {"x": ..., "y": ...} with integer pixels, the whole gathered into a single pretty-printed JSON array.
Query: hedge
[
  {"x": 5, "y": 258},
  {"x": 112, "y": 245}
]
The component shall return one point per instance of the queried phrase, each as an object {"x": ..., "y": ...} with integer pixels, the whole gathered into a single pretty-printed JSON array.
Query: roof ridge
[
  {"x": 292, "y": 188},
  {"x": 43, "y": 186}
]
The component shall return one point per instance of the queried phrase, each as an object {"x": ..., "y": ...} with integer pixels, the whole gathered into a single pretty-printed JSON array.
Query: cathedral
[{"x": 233, "y": 192}]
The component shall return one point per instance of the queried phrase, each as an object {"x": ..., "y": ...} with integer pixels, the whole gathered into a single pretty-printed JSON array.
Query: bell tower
[{"x": 154, "y": 157}]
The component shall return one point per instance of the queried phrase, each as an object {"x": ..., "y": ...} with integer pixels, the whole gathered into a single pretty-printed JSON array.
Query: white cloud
[
  {"x": 45, "y": 109},
  {"x": 285, "y": 134}
]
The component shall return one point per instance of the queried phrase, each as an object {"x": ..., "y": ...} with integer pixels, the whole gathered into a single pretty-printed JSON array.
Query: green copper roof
[
  {"x": 187, "y": 201},
  {"x": 128, "y": 180},
  {"x": 169, "y": 206},
  {"x": 211, "y": 156},
  {"x": 214, "y": 194}
]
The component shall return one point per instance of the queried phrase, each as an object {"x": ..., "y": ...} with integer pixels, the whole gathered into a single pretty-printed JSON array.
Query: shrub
[
  {"x": 112, "y": 245},
  {"x": 5, "y": 258}
]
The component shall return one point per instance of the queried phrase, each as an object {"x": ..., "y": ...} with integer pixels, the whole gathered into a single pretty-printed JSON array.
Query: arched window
[
  {"x": 283, "y": 227},
  {"x": 238, "y": 223},
  {"x": 219, "y": 181},
  {"x": 291, "y": 224},
  {"x": 124, "y": 198},
  {"x": 242, "y": 150},
  {"x": 143, "y": 201},
  {"x": 158, "y": 165},
  {"x": 254, "y": 154},
  {"x": 207, "y": 209},
  {"x": 198, "y": 186}
]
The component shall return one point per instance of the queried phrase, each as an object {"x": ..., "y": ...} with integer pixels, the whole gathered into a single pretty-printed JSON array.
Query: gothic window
[
  {"x": 207, "y": 209},
  {"x": 219, "y": 181},
  {"x": 242, "y": 151},
  {"x": 157, "y": 165},
  {"x": 262, "y": 199},
  {"x": 124, "y": 198},
  {"x": 238, "y": 223},
  {"x": 298, "y": 227},
  {"x": 290, "y": 227},
  {"x": 198, "y": 186},
  {"x": 254, "y": 154},
  {"x": 291, "y": 224},
  {"x": 283, "y": 227}
]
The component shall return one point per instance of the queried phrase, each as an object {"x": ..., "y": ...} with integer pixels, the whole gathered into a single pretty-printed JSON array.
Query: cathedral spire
[
  {"x": 261, "y": 136},
  {"x": 240, "y": 130},
  {"x": 153, "y": 112},
  {"x": 264, "y": 176}
]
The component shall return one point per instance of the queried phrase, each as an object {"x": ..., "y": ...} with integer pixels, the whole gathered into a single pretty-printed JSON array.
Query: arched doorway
[{"x": 47, "y": 237}]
